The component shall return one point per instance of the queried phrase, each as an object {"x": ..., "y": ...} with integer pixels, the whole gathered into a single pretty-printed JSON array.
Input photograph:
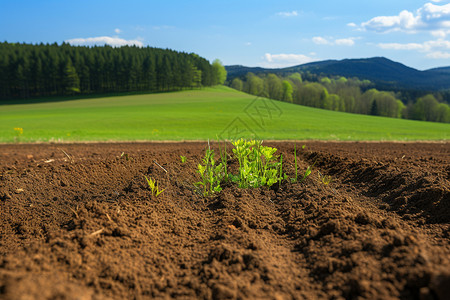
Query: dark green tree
[
  {"x": 71, "y": 81},
  {"x": 374, "y": 108}
]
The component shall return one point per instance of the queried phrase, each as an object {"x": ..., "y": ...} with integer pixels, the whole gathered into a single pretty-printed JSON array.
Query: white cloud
[
  {"x": 440, "y": 33},
  {"x": 429, "y": 17},
  {"x": 248, "y": 44},
  {"x": 288, "y": 14},
  {"x": 117, "y": 30},
  {"x": 437, "y": 44},
  {"x": 320, "y": 40},
  {"x": 437, "y": 49},
  {"x": 398, "y": 46},
  {"x": 329, "y": 41},
  {"x": 344, "y": 42},
  {"x": 352, "y": 25},
  {"x": 404, "y": 21},
  {"x": 428, "y": 46},
  {"x": 285, "y": 60},
  {"x": 435, "y": 12},
  {"x": 102, "y": 40},
  {"x": 439, "y": 55}
]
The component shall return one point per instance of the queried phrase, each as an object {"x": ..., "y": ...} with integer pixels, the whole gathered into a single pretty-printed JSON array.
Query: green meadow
[{"x": 209, "y": 113}]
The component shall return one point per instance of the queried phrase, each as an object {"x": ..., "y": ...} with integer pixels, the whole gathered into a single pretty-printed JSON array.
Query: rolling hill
[
  {"x": 200, "y": 114},
  {"x": 385, "y": 73},
  {"x": 441, "y": 70}
]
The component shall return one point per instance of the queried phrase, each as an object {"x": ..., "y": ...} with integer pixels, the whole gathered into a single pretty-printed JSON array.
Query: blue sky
[{"x": 264, "y": 33}]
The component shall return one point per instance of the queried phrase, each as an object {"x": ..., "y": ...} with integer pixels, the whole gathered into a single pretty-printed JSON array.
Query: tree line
[
  {"x": 28, "y": 70},
  {"x": 342, "y": 94}
]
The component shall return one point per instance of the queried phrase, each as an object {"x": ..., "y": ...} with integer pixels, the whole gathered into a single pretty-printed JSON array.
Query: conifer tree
[{"x": 71, "y": 81}]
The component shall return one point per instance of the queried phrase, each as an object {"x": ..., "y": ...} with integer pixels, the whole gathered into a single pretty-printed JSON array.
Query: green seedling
[
  {"x": 295, "y": 164},
  {"x": 258, "y": 165},
  {"x": 183, "y": 159},
  {"x": 153, "y": 186},
  {"x": 125, "y": 155},
  {"x": 325, "y": 179},
  {"x": 281, "y": 176},
  {"x": 224, "y": 159},
  {"x": 308, "y": 172},
  {"x": 281, "y": 170},
  {"x": 211, "y": 173}
]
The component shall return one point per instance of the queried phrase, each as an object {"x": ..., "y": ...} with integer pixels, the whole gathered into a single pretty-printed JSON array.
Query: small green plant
[
  {"x": 307, "y": 172},
  {"x": 295, "y": 164},
  {"x": 258, "y": 165},
  {"x": 325, "y": 179},
  {"x": 183, "y": 159},
  {"x": 281, "y": 176},
  {"x": 153, "y": 186},
  {"x": 212, "y": 174},
  {"x": 224, "y": 159},
  {"x": 127, "y": 157}
]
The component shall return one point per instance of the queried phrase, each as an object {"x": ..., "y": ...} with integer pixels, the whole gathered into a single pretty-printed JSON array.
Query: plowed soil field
[{"x": 78, "y": 221}]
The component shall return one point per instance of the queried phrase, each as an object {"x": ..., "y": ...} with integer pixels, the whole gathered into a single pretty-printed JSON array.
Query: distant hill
[
  {"x": 441, "y": 70},
  {"x": 383, "y": 72}
]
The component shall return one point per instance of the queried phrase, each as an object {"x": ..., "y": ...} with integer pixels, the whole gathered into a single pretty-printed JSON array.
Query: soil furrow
[{"x": 82, "y": 224}]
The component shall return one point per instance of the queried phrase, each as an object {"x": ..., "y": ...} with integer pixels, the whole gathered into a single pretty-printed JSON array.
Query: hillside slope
[{"x": 198, "y": 115}]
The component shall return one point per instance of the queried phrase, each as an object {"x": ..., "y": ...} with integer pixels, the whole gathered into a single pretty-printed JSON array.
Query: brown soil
[{"x": 79, "y": 222}]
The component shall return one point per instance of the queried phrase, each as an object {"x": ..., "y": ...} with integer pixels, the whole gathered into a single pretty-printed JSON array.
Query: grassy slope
[{"x": 202, "y": 114}]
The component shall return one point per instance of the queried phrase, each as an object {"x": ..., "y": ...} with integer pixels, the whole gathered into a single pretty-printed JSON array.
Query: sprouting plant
[
  {"x": 224, "y": 159},
  {"x": 308, "y": 171},
  {"x": 281, "y": 176},
  {"x": 183, "y": 159},
  {"x": 153, "y": 186},
  {"x": 325, "y": 179},
  {"x": 18, "y": 133},
  {"x": 258, "y": 165},
  {"x": 125, "y": 155},
  {"x": 295, "y": 164},
  {"x": 211, "y": 173}
]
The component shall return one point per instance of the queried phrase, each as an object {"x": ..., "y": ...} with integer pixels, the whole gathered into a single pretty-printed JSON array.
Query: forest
[
  {"x": 28, "y": 71},
  {"x": 343, "y": 94}
]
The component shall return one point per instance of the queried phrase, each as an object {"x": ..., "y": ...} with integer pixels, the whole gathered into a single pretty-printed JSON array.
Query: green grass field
[{"x": 197, "y": 115}]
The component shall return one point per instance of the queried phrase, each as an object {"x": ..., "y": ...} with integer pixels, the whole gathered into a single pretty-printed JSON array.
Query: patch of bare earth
[{"x": 79, "y": 222}]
